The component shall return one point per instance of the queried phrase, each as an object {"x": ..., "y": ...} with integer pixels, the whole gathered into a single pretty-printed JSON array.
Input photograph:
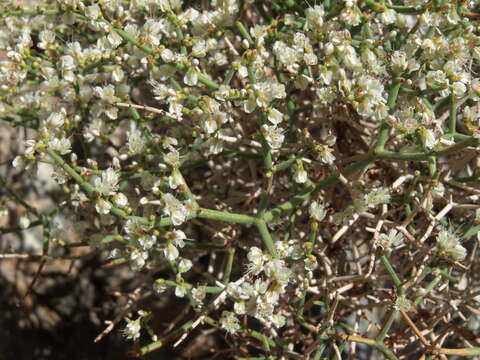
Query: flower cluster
[{"x": 253, "y": 153}]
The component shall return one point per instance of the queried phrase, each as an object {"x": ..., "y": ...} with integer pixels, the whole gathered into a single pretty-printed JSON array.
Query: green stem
[
  {"x": 312, "y": 236},
  {"x": 244, "y": 32},
  {"x": 428, "y": 288},
  {"x": 386, "y": 327},
  {"x": 319, "y": 351},
  {"x": 452, "y": 121},
  {"x": 165, "y": 340},
  {"x": 432, "y": 166},
  {"x": 406, "y": 9},
  {"x": 226, "y": 217},
  {"x": 385, "y": 126},
  {"x": 207, "y": 81},
  {"x": 396, "y": 280},
  {"x": 332, "y": 180},
  {"x": 127, "y": 37},
  {"x": 472, "y": 230},
  {"x": 386, "y": 351},
  {"x": 88, "y": 188},
  {"x": 206, "y": 289},
  {"x": 228, "y": 266},
  {"x": 266, "y": 237},
  {"x": 401, "y": 156},
  {"x": 419, "y": 156},
  {"x": 203, "y": 213},
  {"x": 31, "y": 12},
  {"x": 229, "y": 76}
]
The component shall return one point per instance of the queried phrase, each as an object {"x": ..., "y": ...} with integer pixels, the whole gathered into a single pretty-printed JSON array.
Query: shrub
[{"x": 304, "y": 174}]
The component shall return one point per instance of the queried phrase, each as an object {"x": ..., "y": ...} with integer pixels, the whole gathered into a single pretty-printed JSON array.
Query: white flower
[
  {"x": 93, "y": 12},
  {"x": 273, "y": 135},
  {"x": 378, "y": 196},
  {"x": 311, "y": 263},
  {"x": 132, "y": 330},
  {"x": 449, "y": 244},
  {"x": 24, "y": 222},
  {"x": 61, "y": 146},
  {"x": 161, "y": 91},
  {"x": 181, "y": 290},
  {"x": 199, "y": 48},
  {"x": 184, "y": 265},
  {"x": 120, "y": 199},
  {"x": 170, "y": 252},
  {"x": 350, "y": 57},
  {"x": 317, "y": 211},
  {"x": 393, "y": 239},
  {"x": 135, "y": 140},
  {"x": 46, "y": 38},
  {"x": 239, "y": 307},
  {"x": 470, "y": 114},
  {"x": 168, "y": 55},
  {"x": 147, "y": 241},
  {"x": 300, "y": 176},
  {"x": 458, "y": 88},
  {"x": 55, "y": 120},
  {"x": 114, "y": 39},
  {"x": 67, "y": 63},
  {"x": 436, "y": 79},
  {"x": 133, "y": 226},
  {"x": 325, "y": 155},
  {"x": 175, "y": 180},
  {"x": 191, "y": 77},
  {"x": 266, "y": 92},
  {"x": 138, "y": 259},
  {"x": 398, "y": 61},
  {"x": 439, "y": 190},
  {"x": 351, "y": 15},
  {"x": 264, "y": 310},
  {"x": 276, "y": 269},
  {"x": 402, "y": 303},
  {"x": 108, "y": 183},
  {"x": 314, "y": 17},
  {"x": 388, "y": 16},
  {"x": 428, "y": 137},
  {"x": 229, "y": 322},
  {"x": 174, "y": 209},
  {"x": 172, "y": 158},
  {"x": 103, "y": 207},
  {"x": 257, "y": 259},
  {"x": 288, "y": 56},
  {"x": 197, "y": 297},
  {"x": 278, "y": 320},
  {"x": 18, "y": 162},
  {"x": 106, "y": 93},
  {"x": 178, "y": 237},
  {"x": 310, "y": 58},
  {"x": 118, "y": 75},
  {"x": 275, "y": 116},
  {"x": 94, "y": 129}
]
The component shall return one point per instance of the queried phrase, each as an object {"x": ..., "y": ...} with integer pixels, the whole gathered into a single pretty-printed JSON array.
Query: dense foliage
[{"x": 305, "y": 174}]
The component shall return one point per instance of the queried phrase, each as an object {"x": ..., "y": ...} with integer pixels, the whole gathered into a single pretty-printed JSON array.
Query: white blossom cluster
[{"x": 151, "y": 111}]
